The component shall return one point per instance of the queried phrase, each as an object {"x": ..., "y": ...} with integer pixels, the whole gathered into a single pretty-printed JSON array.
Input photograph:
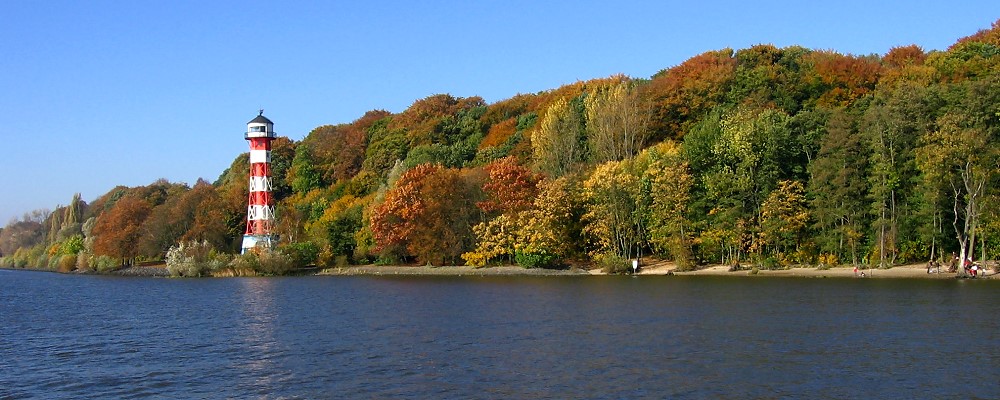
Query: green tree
[
  {"x": 838, "y": 188},
  {"x": 303, "y": 175}
]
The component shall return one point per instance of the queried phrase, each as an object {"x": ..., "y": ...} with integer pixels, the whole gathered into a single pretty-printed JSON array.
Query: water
[{"x": 71, "y": 337}]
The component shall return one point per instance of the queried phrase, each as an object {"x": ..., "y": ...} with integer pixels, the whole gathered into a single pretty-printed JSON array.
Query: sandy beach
[{"x": 915, "y": 271}]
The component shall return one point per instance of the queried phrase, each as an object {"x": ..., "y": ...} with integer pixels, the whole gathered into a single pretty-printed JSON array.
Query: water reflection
[{"x": 257, "y": 330}]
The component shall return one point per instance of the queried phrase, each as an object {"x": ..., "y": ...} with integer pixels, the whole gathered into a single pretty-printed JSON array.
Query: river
[{"x": 73, "y": 337}]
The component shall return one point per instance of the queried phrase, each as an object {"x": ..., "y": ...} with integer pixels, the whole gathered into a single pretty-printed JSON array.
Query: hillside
[{"x": 773, "y": 156}]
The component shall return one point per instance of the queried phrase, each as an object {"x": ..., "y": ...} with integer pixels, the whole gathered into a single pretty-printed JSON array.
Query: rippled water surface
[{"x": 73, "y": 337}]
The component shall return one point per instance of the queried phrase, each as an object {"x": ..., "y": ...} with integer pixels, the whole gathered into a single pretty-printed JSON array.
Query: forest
[{"x": 761, "y": 156}]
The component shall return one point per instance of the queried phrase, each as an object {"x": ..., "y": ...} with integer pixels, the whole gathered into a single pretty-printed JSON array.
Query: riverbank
[
  {"x": 463, "y": 270},
  {"x": 914, "y": 271}
]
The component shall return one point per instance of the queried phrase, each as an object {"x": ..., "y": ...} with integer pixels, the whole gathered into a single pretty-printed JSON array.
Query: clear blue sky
[{"x": 101, "y": 93}]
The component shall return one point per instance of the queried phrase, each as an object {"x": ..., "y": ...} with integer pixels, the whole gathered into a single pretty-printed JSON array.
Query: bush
[
  {"x": 264, "y": 263},
  {"x": 302, "y": 253},
  {"x": 613, "y": 264},
  {"x": 538, "y": 259},
  {"x": 828, "y": 260},
  {"x": 769, "y": 263},
  {"x": 104, "y": 263},
  {"x": 42, "y": 261},
  {"x": 194, "y": 259},
  {"x": 67, "y": 263},
  {"x": 83, "y": 261}
]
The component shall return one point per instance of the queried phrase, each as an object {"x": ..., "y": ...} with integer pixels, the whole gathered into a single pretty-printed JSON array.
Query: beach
[{"x": 651, "y": 267}]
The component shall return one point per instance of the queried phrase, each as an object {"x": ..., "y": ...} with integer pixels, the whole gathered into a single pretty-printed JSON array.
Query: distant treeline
[{"x": 771, "y": 156}]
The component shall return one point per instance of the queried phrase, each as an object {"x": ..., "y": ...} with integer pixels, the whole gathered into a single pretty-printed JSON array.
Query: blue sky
[{"x": 101, "y": 93}]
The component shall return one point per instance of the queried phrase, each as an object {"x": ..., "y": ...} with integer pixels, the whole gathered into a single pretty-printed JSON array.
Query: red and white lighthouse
[{"x": 260, "y": 211}]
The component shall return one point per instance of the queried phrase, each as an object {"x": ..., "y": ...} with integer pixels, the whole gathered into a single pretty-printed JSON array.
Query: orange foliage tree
[
  {"x": 680, "y": 95},
  {"x": 428, "y": 214},
  {"x": 119, "y": 230},
  {"x": 509, "y": 188}
]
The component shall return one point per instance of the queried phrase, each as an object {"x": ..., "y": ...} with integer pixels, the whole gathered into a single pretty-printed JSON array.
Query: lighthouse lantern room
[{"x": 260, "y": 210}]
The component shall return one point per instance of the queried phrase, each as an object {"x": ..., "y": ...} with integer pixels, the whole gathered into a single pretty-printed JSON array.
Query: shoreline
[
  {"x": 658, "y": 268},
  {"x": 913, "y": 271}
]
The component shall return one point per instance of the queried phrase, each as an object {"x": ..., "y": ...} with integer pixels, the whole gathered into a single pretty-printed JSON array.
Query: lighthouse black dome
[{"x": 261, "y": 119}]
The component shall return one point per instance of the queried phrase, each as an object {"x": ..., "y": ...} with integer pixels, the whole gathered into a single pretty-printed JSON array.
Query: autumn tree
[
  {"x": 613, "y": 218},
  {"x": 682, "y": 95},
  {"x": 429, "y": 214},
  {"x": 24, "y": 233},
  {"x": 616, "y": 122},
  {"x": 557, "y": 144},
  {"x": 784, "y": 216},
  {"x": 119, "y": 230},
  {"x": 509, "y": 187},
  {"x": 668, "y": 182}
]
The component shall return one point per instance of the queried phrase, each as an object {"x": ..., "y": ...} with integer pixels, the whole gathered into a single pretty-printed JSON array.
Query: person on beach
[
  {"x": 953, "y": 266},
  {"x": 855, "y": 271}
]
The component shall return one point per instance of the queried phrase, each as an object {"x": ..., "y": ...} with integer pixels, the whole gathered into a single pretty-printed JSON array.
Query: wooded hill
[{"x": 765, "y": 155}]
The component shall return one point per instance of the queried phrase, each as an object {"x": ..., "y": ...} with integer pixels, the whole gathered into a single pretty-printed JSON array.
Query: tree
[
  {"x": 838, "y": 188},
  {"x": 443, "y": 231},
  {"x": 963, "y": 155},
  {"x": 303, "y": 175},
  {"x": 890, "y": 128},
  {"x": 613, "y": 218},
  {"x": 557, "y": 145},
  {"x": 784, "y": 216},
  {"x": 616, "y": 122},
  {"x": 24, "y": 233},
  {"x": 429, "y": 214},
  {"x": 118, "y": 231},
  {"x": 683, "y": 95},
  {"x": 669, "y": 189},
  {"x": 509, "y": 187}
]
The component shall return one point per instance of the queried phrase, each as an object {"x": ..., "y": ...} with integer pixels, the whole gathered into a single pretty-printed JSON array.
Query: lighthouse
[{"x": 260, "y": 210}]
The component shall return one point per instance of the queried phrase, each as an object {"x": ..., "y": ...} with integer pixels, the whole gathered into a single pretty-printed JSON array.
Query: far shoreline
[
  {"x": 658, "y": 268},
  {"x": 914, "y": 271}
]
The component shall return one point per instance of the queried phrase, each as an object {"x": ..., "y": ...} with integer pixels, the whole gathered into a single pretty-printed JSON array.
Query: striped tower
[{"x": 260, "y": 211}]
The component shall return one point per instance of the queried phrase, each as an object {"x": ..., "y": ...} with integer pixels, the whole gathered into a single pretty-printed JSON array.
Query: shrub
[
  {"x": 194, "y": 259},
  {"x": 475, "y": 259},
  {"x": 83, "y": 261},
  {"x": 536, "y": 259},
  {"x": 264, "y": 263},
  {"x": 104, "y": 263},
  {"x": 769, "y": 263},
  {"x": 828, "y": 260},
  {"x": 302, "y": 253},
  {"x": 67, "y": 263},
  {"x": 613, "y": 264}
]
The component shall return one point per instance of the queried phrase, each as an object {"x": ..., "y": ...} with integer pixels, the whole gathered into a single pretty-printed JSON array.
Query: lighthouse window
[{"x": 257, "y": 129}]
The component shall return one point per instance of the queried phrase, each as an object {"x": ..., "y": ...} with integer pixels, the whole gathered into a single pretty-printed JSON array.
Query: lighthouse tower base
[{"x": 251, "y": 242}]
